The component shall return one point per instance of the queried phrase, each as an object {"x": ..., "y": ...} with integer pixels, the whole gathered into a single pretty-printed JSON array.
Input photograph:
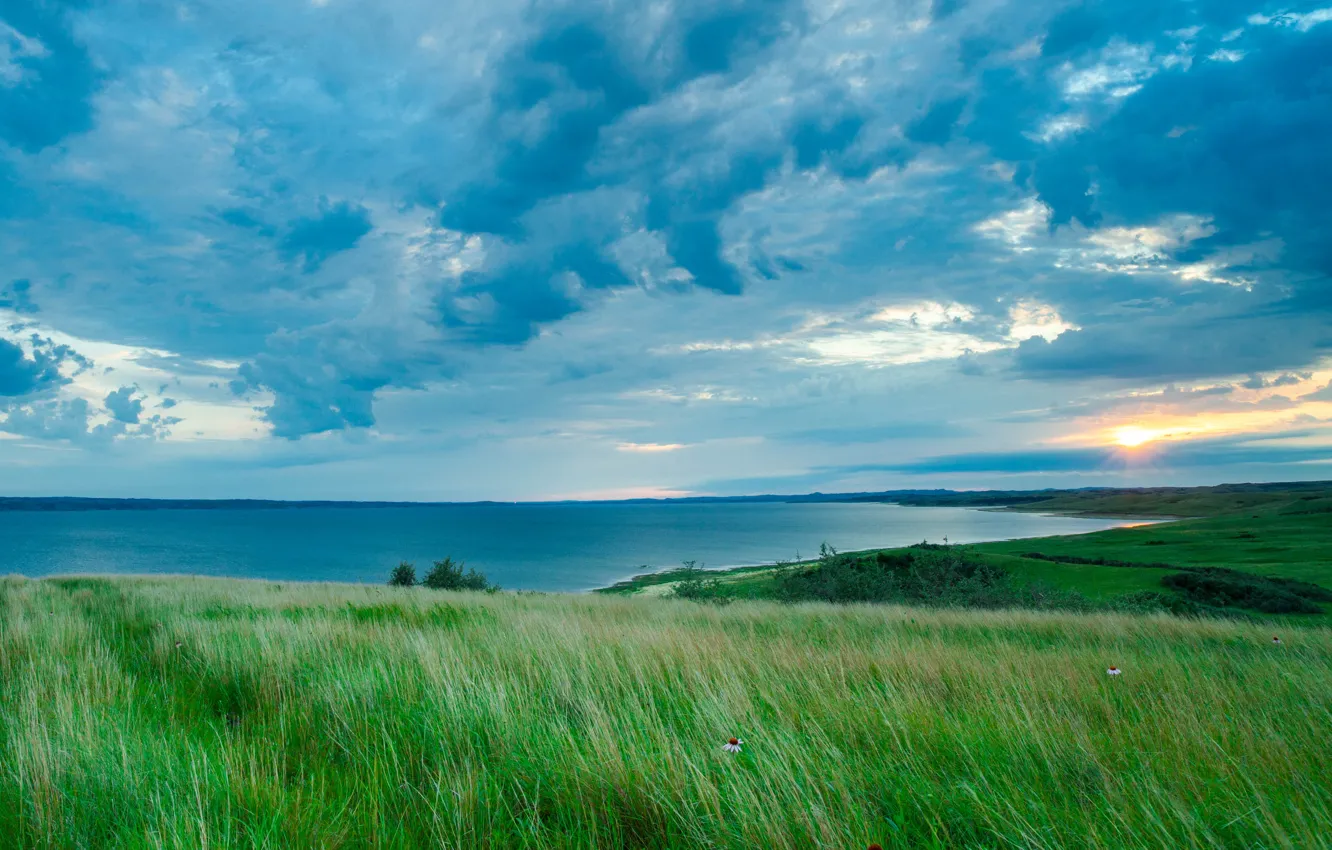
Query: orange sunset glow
[{"x": 1131, "y": 436}]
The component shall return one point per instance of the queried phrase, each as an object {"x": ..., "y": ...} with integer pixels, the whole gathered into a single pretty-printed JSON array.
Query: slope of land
[
  {"x": 1135, "y": 502},
  {"x": 1289, "y": 542},
  {"x": 1266, "y": 531},
  {"x": 207, "y": 713}
]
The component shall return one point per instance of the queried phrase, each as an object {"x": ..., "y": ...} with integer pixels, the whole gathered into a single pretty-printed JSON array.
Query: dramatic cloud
[
  {"x": 511, "y": 250},
  {"x": 46, "y": 76},
  {"x": 35, "y": 370},
  {"x": 316, "y": 239},
  {"x": 20, "y": 375}
]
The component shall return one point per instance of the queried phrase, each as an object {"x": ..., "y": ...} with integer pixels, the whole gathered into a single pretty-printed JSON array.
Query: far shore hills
[{"x": 1087, "y": 501}]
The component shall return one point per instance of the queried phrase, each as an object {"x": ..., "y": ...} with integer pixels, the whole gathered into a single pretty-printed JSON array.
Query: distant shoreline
[
  {"x": 1098, "y": 501},
  {"x": 94, "y": 503},
  {"x": 1033, "y": 509},
  {"x": 640, "y": 582}
]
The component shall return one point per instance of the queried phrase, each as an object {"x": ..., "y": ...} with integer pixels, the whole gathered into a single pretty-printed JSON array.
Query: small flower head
[
  {"x": 179, "y": 644},
  {"x": 732, "y": 745},
  {"x": 1275, "y": 640},
  {"x": 875, "y": 846},
  {"x": 1113, "y": 671}
]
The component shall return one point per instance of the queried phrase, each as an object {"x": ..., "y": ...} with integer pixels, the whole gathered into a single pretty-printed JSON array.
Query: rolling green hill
[
  {"x": 1282, "y": 531},
  {"x": 1136, "y": 502}
]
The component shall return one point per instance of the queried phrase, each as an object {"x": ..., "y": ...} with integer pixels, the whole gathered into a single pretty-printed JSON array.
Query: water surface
[{"x": 538, "y": 547}]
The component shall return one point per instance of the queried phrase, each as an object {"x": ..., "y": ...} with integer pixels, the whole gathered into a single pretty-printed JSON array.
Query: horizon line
[{"x": 817, "y": 494}]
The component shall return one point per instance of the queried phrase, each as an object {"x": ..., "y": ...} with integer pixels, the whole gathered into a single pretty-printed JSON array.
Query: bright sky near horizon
[{"x": 522, "y": 250}]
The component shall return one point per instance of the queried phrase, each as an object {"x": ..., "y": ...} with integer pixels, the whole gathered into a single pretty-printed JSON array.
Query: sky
[{"x": 413, "y": 249}]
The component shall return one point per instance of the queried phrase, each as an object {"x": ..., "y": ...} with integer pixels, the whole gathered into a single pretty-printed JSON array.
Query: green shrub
[
  {"x": 926, "y": 574},
  {"x": 1221, "y": 588},
  {"x": 1155, "y": 602},
  {"x": 448, "y": 575},
  {"x": 1101, "y": 562},
  {"x": 695, "y": 585},
  {"x": 1305, "y": 589},
  {"x": 403, "y": 575},
  {"x": 1212, "y": 591}
]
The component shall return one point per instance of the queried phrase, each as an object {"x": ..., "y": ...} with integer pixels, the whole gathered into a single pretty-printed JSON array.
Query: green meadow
[
  {"x": 1281, "y": 531},
  {"x": 195, "y": 713}
]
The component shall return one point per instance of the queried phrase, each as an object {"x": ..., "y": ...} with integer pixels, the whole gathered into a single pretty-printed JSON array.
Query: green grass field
[
  {"x": 1272, "y": 532},
  {"x": 198, "y": 713},
  {"x": 1143, "y": 501},
  {"x": 1294, "y": 546},
  {"x": 1287, "y": 535}
]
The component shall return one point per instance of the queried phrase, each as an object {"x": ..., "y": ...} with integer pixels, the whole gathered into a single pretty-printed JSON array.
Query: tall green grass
[{"x": 342, "y": 716}]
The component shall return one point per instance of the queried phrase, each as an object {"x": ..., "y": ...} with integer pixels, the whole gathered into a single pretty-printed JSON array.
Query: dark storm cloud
[
  {"x": 570, "y": 81},
  {"x": 313, "y": 240},
  {"x": 555, "y": 97},
  {"x": 19, "y": 374},
  {"x": 25, "y": 373},
  {"x": 1242, "y": 143},
  {"x": 55, "y": 78}
]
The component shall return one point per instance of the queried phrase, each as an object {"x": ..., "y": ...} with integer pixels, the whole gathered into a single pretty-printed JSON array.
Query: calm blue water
[{"x": 536, "y": 547}]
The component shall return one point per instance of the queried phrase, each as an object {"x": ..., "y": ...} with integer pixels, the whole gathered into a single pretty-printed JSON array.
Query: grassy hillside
[
  {"x": 206, "y": 713},
  {"x": 1290, "y": 538},
  {"x": 1281, "y": 532},
  {"x": 1193, "y": 501},
  {"x": 1293, "y": 545},
  {"x": 1136, "y": 501}
]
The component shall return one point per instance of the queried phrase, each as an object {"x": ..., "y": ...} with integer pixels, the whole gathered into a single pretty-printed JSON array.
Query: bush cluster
[
  {"x": 1212, "y": 591},
  {"x": 1101, "y": 562},
  {"x": 444, "y": 575},
  {"x": 696, "y": 585},
  {"x": 448, "y": 575},
  {"x": 1156, "y": 602},
  {"x": 919, "y": 575},
  {"x": 403, "y": 575},
  {"x": 1221, "y": 588}
]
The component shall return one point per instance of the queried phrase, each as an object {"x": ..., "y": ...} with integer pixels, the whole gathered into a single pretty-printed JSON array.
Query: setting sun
[{"x": 1132, "y": 436}]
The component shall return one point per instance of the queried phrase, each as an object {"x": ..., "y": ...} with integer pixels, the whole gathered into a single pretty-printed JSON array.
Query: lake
[{"x": 555, "y": 547}]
